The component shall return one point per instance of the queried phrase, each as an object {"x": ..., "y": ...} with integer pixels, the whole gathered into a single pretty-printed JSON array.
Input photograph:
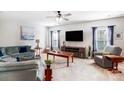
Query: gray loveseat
[{"x": 101, "y": 60}]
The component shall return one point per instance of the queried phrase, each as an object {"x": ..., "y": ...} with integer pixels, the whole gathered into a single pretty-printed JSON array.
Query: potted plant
[
  {"x": 48, "y": 63},
  {"x": 48, "y": 71}
]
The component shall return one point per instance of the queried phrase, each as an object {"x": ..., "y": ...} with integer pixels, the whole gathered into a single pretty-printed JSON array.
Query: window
[
  {"x": 55, "y": 40},
  {"x": 102, "y": 38}
]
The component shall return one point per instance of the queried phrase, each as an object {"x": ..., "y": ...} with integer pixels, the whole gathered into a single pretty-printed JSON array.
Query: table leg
[
  {"x": 72, "y": 59},
  {"x": 53, "y": 58},
  {"x": 115, "y": 68},
  {"x": 40, "y": 52},
  {"x": 47, "y": 56},
  {"x": 110, "y": 69},
  {"x": 67, "y": 61}
]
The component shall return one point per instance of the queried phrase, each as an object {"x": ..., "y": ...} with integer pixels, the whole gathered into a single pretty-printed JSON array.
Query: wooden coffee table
[
  {"x": 115, "y": 60},
  {"x": 61, "y": 54}
]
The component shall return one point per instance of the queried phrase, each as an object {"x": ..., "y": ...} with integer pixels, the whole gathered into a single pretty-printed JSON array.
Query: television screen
[{"x": 74, "y": 35}]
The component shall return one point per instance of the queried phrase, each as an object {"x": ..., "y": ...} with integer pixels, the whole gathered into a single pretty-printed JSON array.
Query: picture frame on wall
[
  {"x": 27, "y": 33},
  {"x": 119, "y": 36}
]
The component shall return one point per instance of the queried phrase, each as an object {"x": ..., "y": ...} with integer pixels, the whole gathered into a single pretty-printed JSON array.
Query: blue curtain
[
  {"x": 51, "y": 40},
  {"x": 111, "y": 34},
  {"x": 59, "y": 39},
  {"x": 94, "y": 38}
]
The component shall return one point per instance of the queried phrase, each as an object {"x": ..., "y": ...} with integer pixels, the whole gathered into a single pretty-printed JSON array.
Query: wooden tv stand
[{"x": 78, "y": 51}]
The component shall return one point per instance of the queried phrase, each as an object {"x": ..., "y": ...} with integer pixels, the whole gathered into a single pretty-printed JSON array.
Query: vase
[{"x": 48, "y": 73}]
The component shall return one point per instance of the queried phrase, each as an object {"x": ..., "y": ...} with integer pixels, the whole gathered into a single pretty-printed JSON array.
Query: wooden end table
[
  {"x": 115, "y": 60},
  {"x": 37, "y": 51}
]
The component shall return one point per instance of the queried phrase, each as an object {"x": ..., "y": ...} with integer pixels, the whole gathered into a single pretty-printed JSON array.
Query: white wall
[
  {"x": 10, "y": 34},
  {"x": 41, "y": 34},
  {"x": 87, "y": 31}
]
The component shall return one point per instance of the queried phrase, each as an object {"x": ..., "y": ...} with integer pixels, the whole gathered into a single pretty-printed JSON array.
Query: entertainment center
[
  {"x": 74, "y": 36},
  {"x": 78, "y": 51}
]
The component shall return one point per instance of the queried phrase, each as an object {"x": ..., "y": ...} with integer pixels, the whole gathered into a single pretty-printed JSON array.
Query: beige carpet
[{"x": 82, "y": 70}]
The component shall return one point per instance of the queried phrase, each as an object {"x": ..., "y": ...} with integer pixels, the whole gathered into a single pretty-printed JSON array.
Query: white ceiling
[{"x": 39, "y": 17}]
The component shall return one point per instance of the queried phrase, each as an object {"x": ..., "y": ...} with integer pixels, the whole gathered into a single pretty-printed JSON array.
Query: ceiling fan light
[{"x": 59, "y": 19}]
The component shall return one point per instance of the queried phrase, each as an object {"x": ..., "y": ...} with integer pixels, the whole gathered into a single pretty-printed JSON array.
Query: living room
[
  {"x": 49, "y": 35},
  {"x": 27, "y": 42}
]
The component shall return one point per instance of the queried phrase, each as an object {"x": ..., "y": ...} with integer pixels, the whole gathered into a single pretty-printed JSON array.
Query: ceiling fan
[{"x": 60, "y": 16}]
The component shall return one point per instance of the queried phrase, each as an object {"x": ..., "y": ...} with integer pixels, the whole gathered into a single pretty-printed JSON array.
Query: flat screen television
[{"x": 74, "y": 35}]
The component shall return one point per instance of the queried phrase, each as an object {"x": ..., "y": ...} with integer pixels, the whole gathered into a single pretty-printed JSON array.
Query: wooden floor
[{"x": 82, "y": 70}]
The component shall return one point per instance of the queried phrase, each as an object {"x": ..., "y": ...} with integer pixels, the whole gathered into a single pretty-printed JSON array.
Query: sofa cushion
[
  {"x": 15, "y": 55},
  {"x": 2, "y": 60},
  {"x": 5, "y": 56},
  {"x": 26, "y": 56},
  {"x": 116, "y": 50},
  {"x": 113, "y": 50},
  {"x": 12, "y": 50},
  {"x": 108, "y": 49},
  {"x": 23, "y": 49},
  {"x": 9, "y": 58}
]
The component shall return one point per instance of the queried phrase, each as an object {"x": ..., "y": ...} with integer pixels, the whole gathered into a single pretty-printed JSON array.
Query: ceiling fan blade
[
  {"x": 55, "y": 12},
  {"x": 66, "y": 19},
  {"x": 69, "y": 14}
]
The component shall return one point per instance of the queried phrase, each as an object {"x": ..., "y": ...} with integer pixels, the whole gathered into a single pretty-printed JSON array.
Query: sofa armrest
[
  {"x": 98, "y": 53},
  {"x": 14, "y": 66},
  {"x": 102, "y": 53},
  {"x": 2, "y": 60}
]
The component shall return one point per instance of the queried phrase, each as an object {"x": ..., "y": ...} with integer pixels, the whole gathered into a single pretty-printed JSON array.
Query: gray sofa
[
  {"x": 101, "y": 60},
  {"x": 18, "y": 71},
  {"x": 27, "y": 69}
]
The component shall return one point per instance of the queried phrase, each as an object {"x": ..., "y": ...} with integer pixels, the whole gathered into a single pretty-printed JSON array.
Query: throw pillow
[
  {"x": 12, "y": 50},
  {"x": 22, "y": 49},
  {"x": 1, "y": 54}
]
